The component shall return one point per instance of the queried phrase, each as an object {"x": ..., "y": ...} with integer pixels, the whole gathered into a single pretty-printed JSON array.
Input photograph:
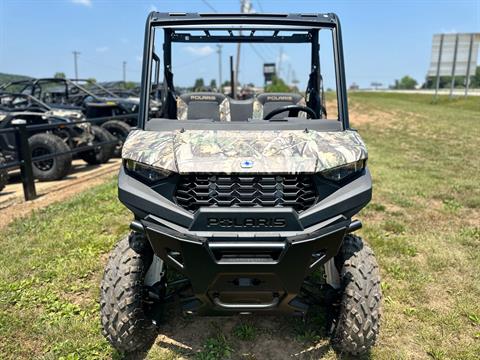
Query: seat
[
  {"x": 266, "y": 102},
  {"x": 241, "y": 110},
  {"x": 203, "y": 105}
]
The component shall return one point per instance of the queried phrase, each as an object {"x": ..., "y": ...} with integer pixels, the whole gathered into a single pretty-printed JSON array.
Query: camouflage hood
[{"x": 223, "y": 151}]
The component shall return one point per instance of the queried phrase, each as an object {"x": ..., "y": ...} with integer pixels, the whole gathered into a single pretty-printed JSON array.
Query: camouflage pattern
[
  {"x": 224, "y": 109},
  {"x": 182, "y": 109},
  {"x": 258, "y": 109},
  {"x": 227, "y": 152},
  {"x": 154, "y": 148},
  {"x": 302, "y": 102}
]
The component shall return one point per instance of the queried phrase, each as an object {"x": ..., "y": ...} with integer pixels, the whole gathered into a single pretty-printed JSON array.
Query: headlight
[
  {"x": 341, "y": 172},
  {"x": 145, "y": 172}
]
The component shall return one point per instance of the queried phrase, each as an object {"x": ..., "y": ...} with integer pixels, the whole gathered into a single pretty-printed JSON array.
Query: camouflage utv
[{"x": 242, "y": 206}]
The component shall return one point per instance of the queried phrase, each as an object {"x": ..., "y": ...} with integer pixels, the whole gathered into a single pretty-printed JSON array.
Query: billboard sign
[
  {"x": 451, "y": 44},
  {"x": 454, "y": 55}
]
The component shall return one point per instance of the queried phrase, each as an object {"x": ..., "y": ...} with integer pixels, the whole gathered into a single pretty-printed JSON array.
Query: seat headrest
[
  {"x": 266, "y": 102},
  {"x": 203, "y": 105},
  {"x": 291, "y": 98},
  {"x": 241, "y": 110},
  {"x": 202, "y": 97}
]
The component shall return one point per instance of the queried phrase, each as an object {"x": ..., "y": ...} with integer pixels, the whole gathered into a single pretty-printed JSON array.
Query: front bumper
[{"x": 244, "y": 267}]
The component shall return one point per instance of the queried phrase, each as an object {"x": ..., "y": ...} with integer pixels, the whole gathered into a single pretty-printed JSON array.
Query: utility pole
[
  {"x": 219, "y": 52},
  {"x": 245, "y": 8},
  {"x": 124, "y": 72},
  {"x": 75, "y": 64},
  {"x": 279, "y": 72},
  {"x": 232, "y": 80}
]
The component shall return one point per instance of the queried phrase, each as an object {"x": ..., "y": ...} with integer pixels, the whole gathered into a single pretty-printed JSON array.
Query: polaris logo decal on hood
[{"x": 246, "y": 164}]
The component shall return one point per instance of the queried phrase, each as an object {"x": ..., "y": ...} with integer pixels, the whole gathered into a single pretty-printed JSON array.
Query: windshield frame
[{"x": 200, "y": 21}]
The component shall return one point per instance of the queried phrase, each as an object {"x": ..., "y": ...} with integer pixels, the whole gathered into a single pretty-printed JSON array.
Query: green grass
[
  {"x": 443, "y": 101},
  {"x": 245, "y": 332},
  {"x": 423, "y": 224}
]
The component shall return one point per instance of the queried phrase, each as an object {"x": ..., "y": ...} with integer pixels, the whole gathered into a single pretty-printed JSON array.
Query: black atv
[
  {"x": 61, "y": 139},
  {"x": 94, "y": 100},
  {"x": 242, "y": 206},
  {"x": 3, "y": 172}
]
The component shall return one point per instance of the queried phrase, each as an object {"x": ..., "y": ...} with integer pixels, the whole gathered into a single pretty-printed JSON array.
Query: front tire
[
  {"x": 357, "y": 324},
  {"x": 3, "y": 173},
  {"x": 120, "y": 131},
  {"x": 102, "y": 153},
  {"x": 123, "y": 311},
  {"x": 55, "y": 168}
]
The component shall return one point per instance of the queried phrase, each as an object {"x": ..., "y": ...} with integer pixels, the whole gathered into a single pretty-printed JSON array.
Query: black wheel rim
[{"x": 42, "y": 165}]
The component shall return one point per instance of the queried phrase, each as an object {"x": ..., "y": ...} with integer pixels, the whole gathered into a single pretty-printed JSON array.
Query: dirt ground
[{"x": 82, "y": 177}]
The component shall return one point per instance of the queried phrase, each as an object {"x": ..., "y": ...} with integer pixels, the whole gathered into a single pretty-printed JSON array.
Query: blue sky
[{"x": 383, "y": 40}]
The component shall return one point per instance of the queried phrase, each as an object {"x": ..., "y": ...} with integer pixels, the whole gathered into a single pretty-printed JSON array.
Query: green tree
[
  {"x": 405, "y": 82},
  {"x": 277, "y": 85},
  {"x": 199, "y": 84},
  {"x": 91, "y": 80},
  {"x": 130, "y": 85},
  {"x": 213, "y": 84},
  {"x": 475, "y": 79},
  {"x": 59, "y": 75}
]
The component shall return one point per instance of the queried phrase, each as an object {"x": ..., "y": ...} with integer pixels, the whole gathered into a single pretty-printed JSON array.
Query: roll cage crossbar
[
  {"x": 34, "y": 84},
  {"x": 241, "y": 28},
  {"x": 25, "y": 96}
]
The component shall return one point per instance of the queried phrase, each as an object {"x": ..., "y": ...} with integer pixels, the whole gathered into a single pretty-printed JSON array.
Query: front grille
[{"x": 196, "y": 190}]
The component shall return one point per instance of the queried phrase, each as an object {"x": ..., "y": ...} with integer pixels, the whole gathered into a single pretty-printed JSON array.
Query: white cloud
[
  {"x": 82, "y": 2},
  {"x": 102, "y": 49},
  {"x": 153, "y": 8},
  {"x": 199, "y": 50}
]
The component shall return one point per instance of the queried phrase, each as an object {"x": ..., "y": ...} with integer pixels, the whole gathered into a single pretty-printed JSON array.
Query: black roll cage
[
  {"x": 34, "y": 84},
  {"x": 249, "y": 23}
]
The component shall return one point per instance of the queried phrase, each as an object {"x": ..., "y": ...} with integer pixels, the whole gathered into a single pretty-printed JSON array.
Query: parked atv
[
  {"x": 59, "y": 140},
  {"x": 3, "y": 173},
  {"x": 247, "y": 204},
  {"x": 94, "y": 101}
]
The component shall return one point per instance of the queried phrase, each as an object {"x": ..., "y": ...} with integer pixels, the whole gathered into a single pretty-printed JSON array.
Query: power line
[
  {"x": 209, "y": 5},
  {"x": 263, "y": 50},
  {"x": 257, "y": 52},
  {"x": 219, "y": 52},
  {"x": 203, "y": 57},
  {"x": 117, "y": 68},
  {"x": 260, "y": 6},
  {"x": 280, "y": 59}
]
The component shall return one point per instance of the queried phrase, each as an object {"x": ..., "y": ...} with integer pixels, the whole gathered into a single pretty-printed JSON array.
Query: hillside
[{"x": 12, "y": 77}]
